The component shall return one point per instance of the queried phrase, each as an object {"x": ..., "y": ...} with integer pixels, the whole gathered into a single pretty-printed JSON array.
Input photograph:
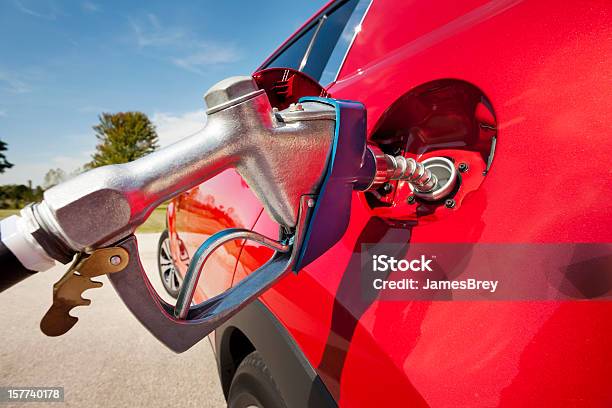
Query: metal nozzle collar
[{"x": 229, "y": 92}]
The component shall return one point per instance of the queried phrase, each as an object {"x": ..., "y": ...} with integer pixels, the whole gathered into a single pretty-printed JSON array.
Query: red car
[{"x": 518, "y": 95}]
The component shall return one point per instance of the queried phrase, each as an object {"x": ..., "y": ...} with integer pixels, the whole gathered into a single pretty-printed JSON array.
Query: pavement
[{"x": 107, "y": 359}]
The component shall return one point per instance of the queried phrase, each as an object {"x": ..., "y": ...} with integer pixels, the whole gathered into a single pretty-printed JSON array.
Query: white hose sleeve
[{"x": 25, "y": 248}]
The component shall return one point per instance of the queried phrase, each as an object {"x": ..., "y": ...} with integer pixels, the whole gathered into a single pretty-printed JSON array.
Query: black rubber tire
[
  {"x": 171, "y": 291},
  {"x": 253, "y": 385}
]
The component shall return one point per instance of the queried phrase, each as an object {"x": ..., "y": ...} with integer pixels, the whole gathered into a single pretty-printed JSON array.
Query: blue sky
[{"x": 64, "y": 62}]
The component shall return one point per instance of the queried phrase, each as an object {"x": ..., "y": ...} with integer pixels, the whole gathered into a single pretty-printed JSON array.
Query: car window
[
  {"x": 292, "y": 56},
  {"x": 351, "y": 29},
  {"x": 320, "y": 49}
]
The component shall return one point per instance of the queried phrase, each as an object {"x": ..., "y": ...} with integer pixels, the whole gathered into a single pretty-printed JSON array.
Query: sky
[{"x": 62, "y": 63}]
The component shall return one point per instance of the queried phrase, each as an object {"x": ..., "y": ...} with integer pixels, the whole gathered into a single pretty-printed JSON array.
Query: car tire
[
  {"x": 167, "y": 271},
  {"x": 253, "y": 386}
]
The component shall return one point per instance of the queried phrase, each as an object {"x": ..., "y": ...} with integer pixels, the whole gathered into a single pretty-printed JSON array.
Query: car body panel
[
  {"x": 545, "y": 70},
  {"x": 225, "y": 201}
]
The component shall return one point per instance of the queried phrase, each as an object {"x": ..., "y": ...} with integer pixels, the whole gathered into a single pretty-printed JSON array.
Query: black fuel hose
[{"x": 11, "y": 269}]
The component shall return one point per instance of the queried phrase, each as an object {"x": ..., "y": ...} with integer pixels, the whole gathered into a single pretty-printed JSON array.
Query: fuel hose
[{"x": 20, "y": 255}]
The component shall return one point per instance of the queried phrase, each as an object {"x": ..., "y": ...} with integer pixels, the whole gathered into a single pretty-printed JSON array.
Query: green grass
[
  {"x": 155, "y": 223},
  {"x": 7, "y": 213}
]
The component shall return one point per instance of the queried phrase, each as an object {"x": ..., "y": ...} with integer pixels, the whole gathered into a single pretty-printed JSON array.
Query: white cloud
[
  {"x": 35, "y": 170},
  {"x": 174, "y": 127},
  {"x": 184, "y": 48},
  {"x": 50, "y": 11},
  {"x": 207, "y": 55},
  {"x": 90, "y": 7},
  {"x": 148, "y": 32},
  {"x": 71, "y": 163},
  {"x": 13, "y": 83},
  {"x": 20, "y": 173}
]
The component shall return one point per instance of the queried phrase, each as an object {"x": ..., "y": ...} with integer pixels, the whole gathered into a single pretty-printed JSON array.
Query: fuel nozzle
[{"x": 432, "y": 179}]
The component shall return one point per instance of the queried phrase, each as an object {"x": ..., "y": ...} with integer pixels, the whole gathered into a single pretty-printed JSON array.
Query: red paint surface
[
  {"x": 224, "y": 201},
  {"x": 545, "y": 68}
]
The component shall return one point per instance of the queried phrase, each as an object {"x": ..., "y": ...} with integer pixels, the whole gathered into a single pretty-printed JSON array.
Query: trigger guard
[
  {"x": 138, "y": 294},
  {"x": 136, "y": 291}
]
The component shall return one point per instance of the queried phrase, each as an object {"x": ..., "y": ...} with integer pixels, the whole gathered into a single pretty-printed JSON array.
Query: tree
[
  {"x": 53, "y": 178},
  {"x": 14, "y": 196},
  {"x": 123, "y": 137},
  {"x": 4, "y": 163}
]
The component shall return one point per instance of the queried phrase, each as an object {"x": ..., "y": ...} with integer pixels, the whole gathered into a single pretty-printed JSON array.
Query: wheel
[
  {"x": 253, "y": 385},
  {"x": 167, "y": 271}
]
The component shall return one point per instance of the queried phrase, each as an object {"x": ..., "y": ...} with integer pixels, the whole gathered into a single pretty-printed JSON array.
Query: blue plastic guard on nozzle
[{"x": 332, "y": 210}]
